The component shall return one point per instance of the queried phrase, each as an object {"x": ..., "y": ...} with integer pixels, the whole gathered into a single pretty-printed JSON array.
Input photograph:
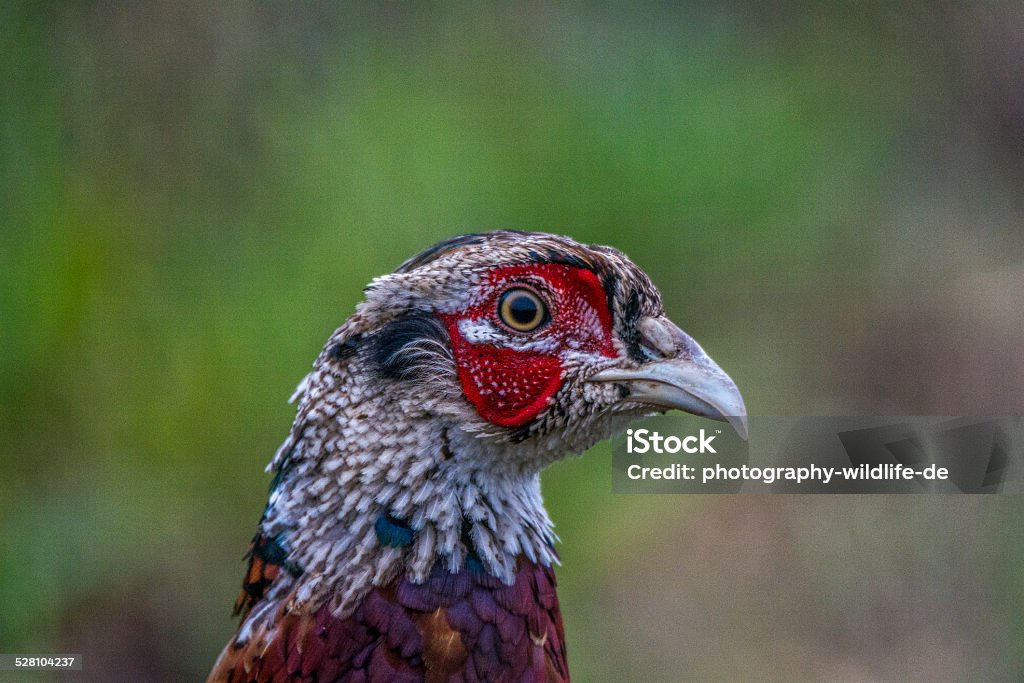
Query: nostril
[
  {"x": 648, "y": 352},
  {"x": 657, "y": 339}
]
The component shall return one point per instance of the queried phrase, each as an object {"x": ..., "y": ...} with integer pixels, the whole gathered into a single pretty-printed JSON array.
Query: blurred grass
[{"x": 193, "y": 197}]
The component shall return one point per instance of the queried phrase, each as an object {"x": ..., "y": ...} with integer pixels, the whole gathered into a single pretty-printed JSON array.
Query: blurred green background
[{"x": 192, "y": 196}]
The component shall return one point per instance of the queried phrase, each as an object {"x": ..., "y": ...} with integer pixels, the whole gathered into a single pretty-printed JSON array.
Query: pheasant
[{"x": 405, "y": 538}]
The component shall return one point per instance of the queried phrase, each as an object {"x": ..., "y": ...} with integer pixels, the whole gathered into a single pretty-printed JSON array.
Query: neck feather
[{"x": 373, "y": 484}]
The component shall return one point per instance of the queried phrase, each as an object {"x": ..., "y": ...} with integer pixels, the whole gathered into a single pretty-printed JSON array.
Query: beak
[{"x": 681, "y": 376}]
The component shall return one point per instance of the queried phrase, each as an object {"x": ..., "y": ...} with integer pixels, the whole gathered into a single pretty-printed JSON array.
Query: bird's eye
[{"x": 522, "y": 310}]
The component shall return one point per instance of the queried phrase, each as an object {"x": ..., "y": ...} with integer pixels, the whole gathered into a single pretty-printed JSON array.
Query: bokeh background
[{"x": 193, "y": 194}]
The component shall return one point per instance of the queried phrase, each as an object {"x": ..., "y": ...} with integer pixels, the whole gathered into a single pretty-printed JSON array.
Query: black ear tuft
[
  {"x": 409, "y": 348},
  {"x": 440, "y": 249}
]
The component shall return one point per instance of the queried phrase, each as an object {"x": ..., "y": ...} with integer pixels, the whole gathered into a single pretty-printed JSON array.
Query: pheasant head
[{"x": 405, "y": 537}]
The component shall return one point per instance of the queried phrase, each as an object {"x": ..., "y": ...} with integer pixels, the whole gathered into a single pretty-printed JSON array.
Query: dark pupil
[{"x": 523, "y": 309}]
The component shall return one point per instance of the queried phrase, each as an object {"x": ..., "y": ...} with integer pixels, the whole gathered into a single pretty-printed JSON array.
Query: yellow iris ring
[{"x": 522, "y": 310}]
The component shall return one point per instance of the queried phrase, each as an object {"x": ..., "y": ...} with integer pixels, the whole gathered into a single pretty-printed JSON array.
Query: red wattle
[{"x": 507, "y": 387}]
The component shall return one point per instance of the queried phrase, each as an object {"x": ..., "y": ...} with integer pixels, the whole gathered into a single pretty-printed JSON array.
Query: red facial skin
[{"x": 510, "y": 387}]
